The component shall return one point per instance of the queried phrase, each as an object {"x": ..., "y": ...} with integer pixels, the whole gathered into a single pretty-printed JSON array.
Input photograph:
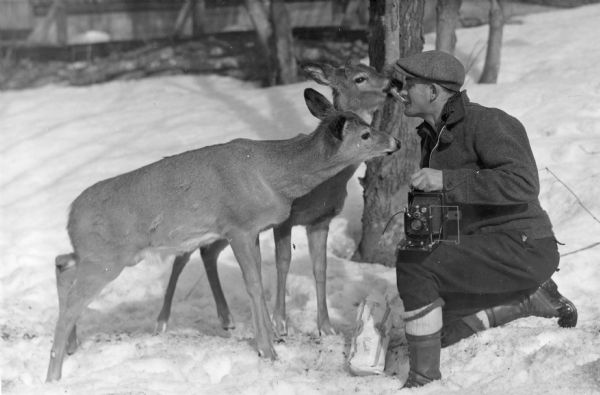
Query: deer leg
[
  {"x": 77, "y": 284},
  {"x": 247, "y": 252},
  {"x": 283, "y": 255},
  {"x": 209, "y": 255},
  {"x": 317, "y": 246},
  {"x": 266, "y": 318},
  {"x": 165, "y": 311},
  {"x": 65, "y": 275}
]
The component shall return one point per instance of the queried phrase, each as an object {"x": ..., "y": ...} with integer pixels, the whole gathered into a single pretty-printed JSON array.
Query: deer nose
[{"x": 394, "y": 145}]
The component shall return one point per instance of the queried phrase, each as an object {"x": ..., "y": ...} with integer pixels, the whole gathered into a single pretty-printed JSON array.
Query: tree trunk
[
  {"x": 494, "y": 47},
  {"x": 260, "y": 19},
  {"x": 283, "y": 46},
  {"x": 447, "y": 15},
  {"x": 395, "y": 31}
]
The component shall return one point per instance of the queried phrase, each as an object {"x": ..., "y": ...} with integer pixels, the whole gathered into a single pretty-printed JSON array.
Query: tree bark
[
  {"x": 395, "y": 31},
  {"x": 283, "y": 46},
  {"x": 491, "y": 68},
  {"x": 447, "y": 16}
]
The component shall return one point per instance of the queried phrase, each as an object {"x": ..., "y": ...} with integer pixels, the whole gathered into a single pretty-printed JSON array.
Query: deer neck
[{"x": 304, "y": 164}]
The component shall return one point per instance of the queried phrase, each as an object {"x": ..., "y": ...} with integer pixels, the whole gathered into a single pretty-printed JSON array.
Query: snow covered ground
[{"x": 56, "y": 141}]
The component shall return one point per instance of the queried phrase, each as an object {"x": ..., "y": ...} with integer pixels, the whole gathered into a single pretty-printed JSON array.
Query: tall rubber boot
[
  {"x": 424, "y": 358},
  {"x": 545, "y": 302}
]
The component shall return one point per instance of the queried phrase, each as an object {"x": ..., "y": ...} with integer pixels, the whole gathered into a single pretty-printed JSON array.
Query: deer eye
[
  {"x": 360, "y": 80},
  {"x": 365, "y": 136}
]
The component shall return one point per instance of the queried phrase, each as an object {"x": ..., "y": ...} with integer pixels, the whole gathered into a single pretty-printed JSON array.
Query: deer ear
[
  {"x": 318, "y": 72},
  {"x": 336, "y": 127},
  {"x": 317, "y": 104}
]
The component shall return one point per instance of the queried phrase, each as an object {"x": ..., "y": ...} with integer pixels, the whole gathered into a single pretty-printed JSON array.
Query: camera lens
[{"x": 416, "y": 225}]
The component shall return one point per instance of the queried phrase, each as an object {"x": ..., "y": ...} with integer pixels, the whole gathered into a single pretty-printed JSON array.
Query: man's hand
[{"x": 427, "y": 180}]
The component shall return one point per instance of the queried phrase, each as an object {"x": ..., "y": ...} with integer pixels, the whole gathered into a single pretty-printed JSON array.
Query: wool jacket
[{"x": 488, "y": 168}]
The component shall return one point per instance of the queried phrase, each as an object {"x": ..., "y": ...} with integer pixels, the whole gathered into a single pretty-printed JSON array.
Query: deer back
[{"x": 198, "y": 196}]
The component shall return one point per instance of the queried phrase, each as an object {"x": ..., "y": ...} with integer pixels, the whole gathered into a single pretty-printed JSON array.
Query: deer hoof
[
  {"x": 161, "y": 327},
  {"x": 327, "y": 330},
  {"x": 227, "y": 323},
  {"x": 72, "y": 347},
  {"x": 268, "y": 353},
  {"x": 280, "y": 328}
]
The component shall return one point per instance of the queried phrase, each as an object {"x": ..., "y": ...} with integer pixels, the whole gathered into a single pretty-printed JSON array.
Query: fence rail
[{"x": 16, "y": 15}]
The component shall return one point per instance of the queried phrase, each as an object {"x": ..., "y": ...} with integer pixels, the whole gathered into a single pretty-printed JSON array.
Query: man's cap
[{"x": 436, "y": 66}]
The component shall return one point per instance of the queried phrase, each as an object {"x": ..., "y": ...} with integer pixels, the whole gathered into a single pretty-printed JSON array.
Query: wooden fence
[
  {"x": 16, "y": 15},
  {"x": 64, "y": 22}
]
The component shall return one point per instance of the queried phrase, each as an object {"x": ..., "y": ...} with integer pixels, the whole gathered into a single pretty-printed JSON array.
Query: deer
[
  {"x": 357, "y": 88},
  {"x": 170, "y": 207}
]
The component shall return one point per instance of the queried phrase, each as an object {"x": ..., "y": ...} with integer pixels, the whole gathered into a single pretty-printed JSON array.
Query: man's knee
[
  {"x": 416, "y": 285},
  {"x": 408, "y": 273}
]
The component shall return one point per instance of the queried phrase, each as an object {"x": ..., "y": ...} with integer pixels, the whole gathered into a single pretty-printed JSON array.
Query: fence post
[
  {"x": 61, "y": 22},
  {"x": 198, "y": 13},
  {"x": 182, "y": 16}
]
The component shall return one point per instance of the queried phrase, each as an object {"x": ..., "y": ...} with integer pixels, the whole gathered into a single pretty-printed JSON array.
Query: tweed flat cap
[{"x": 436, "y": 66}]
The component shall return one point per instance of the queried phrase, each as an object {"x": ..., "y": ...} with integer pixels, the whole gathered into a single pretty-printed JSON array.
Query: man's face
[{"x": 414, "y": 93}]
